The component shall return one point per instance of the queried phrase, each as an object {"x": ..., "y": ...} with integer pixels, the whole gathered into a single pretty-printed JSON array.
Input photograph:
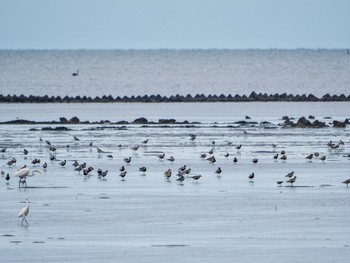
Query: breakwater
[{"x": 253, "y": 97}]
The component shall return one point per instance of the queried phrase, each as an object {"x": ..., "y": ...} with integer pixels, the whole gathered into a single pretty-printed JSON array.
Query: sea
[
  {"x": 171, "y": 72},
  {"x": 224, "y": 216}
]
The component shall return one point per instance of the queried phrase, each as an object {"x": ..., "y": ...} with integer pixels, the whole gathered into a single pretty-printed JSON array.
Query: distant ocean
[{"x": 171, "y": 72}]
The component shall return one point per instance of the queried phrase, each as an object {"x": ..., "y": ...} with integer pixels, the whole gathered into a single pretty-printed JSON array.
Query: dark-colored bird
[
  {"x": 45, "y": 165},
  {"x": 235, "y": 160},
  {"x": 182, "y": 168},
  {"x": 196, "y": 177},
  {"x": 75, "y": 164},
  {"x": 76, "y": 139},
  {"x": 193, "y": 137},
  {"x": 218, "y": 171},
  {"x": 52, "y": 157},
  {"x": 145, "y": 141},
  {"x": 251, "y": 176},
  {"x": 290, "y": 174},
  {"x": 123, "y": 174},
  {"x": 25, "y": 151},
  {"x": 161, "y": 156},
  {"x": 211, "y": 159},
  {"x": 63, "y": 163},
  {"x": 127, "y": 160},
  {"x": 323, "y": 158},
  {"x": 292, "y": 180},
  {"x": 3, "y": 149},
  {"x": 310, "y": 156},
  {"x": 279, "y": 183},
  {"x": 171, "y": 159},
  {"x": 283, "y": 152},
  {"x": 104, "y": 173},
  {"x": 7, "y": 177},
  {"x": 238, "y": 147},
  {"x": 143, "y": 169},
  {"x": 275, "y": 156},
  {"x": 203, "y": 155},
  {"x": 211, "y": 151},
  {"x": 283, "y": 157},
  {"x": 122, "y": 169},
  {"x": 227, "y": 155},
  {"x": 347, "y": 182},
  {"x": 255, "y": 160},
  {"x": 167, "y": 174},
  {"x": 181, "y": 179}
]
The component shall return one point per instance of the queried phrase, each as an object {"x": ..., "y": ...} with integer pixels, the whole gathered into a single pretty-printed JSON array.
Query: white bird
[
  {"x": 24, "y": 212},
  {"x": 23, "y": 173}
]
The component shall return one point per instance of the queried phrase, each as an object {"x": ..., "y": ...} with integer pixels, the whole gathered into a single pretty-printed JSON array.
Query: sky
[{"x": 174, "y": 24}]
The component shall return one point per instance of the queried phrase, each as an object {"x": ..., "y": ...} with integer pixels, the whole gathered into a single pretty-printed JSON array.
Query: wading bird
[
  {"x": 24, "y": 212},
  {"x": 23, "y": 173}
]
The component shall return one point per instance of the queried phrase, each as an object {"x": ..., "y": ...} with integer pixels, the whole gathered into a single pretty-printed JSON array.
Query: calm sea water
[{"x": 170, "y": 72}]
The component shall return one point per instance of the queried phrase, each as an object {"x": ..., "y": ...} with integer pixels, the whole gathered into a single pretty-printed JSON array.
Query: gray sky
[{"x": 152, "y": 24}]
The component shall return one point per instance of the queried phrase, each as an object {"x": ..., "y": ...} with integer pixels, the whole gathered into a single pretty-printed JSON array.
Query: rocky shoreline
[
  {"x": 286, "y": 122},
  {"x": 253, "y": 97}
]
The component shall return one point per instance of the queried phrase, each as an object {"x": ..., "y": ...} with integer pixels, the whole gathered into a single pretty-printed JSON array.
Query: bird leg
[{"x": 26, "y": 220}]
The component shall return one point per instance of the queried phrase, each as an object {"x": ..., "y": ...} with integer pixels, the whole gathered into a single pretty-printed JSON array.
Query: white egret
[
  {"x": 24, "y": 212},
  {"x": 23, "y": 173}
]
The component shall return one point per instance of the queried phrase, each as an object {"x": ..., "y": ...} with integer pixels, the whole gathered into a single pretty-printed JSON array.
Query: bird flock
[{"x": 184, "y": 172}]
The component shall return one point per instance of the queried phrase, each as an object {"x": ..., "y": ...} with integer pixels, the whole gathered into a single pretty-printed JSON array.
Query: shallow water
[{"x": 147, "y": 218}]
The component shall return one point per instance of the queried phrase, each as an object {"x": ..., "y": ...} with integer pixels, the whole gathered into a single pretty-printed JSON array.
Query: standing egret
[
  {"x": 23, "y": 173},
  {"x": 24, "y": 212}
]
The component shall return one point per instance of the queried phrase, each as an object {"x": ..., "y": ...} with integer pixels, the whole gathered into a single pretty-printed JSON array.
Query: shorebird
[
  {"x": 316, "y": 154},
  {"x": 76, "y": 138},
  {"x": 310, "y": 156},
  {"x": 227, "y": 155},
  {"x": 181, "y": 179},
  {"x": 143, "y": 169},
  {"x": 323, "y": 158},
  {"x": 135, "y": 147},
  {"x": 25, "y": 151},
  {"x": 24, "y": 212},
  {"x": 167, "y": 174},
  {"x": 283, "y": 152},
  {"x": 127, "y": 160},
  {"x": 211, "y": 159},
  {"x": 235, "y": 160},
  {"x": 161, "y": 156},
  {"x": 218, "y": 171},
  {"x": 171, "y": 159},
  {"x": 7, "y": 177},
  {"x": 110, "y": 156},
  {"x": 104, "y": 173},
  {"x": 196, "y": 177},
  {"x": 290, "y": 174},
  {"x": 36, "y": 161},
  {"x": 251, "y": 176},
  {"x": 123, "y": 174},
  {"x": 275, "y": 156},
  {"x": 3, "y": 150},
  {"x": 255, "y": 160},
  {"x": 187, "y": 171},
  {"x": 182, "y": 168},
  {"x": 52, "y": 157},
  {"x": 12, "y": 161},
  {"x": 238, "y": 147},
  {"x": 203, "y": 155},
  {"x": 279, "y": 183},
  {"x": 283, "y": 157},
  {"x": 45, "y": 165},
  {"x": 292, "y": 180},
  {"x": 145, "y": 141},
  {"x": 63, "y": 163},
  {"x": 122, "y": 168},
  {"x": 211, "y": 151},
  {"x": 347, "y": 182},
  {"x": 193, "y": 137}
]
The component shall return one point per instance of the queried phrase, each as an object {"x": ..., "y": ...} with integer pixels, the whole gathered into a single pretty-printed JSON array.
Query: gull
[{"x": 24, "y": 212}]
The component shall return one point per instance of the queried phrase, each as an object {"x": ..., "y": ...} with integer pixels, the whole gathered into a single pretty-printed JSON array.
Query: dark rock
[
  {"x": 122, "y": 122},
  {"x": 247, "y": 117},
  {"x": 63, "y": 120},
  {"x": 318, "y": 124},
  {"x": 311, "y": 117},
  {"x": 58, "y": 128},
  {"x": 74, "y": 120},
  {"x": 303, "y": 123},
  {"x": 339, "y": 124},
  {"x": 167, "y": 121},
  {"x": 141, "y": 120}
]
